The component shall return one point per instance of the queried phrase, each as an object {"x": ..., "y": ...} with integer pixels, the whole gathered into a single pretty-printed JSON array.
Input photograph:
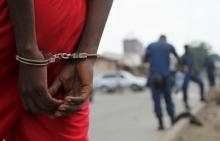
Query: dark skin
[
  {"x": 75, "y": 77},
  {"x": 76, "y": 81},
  {"x": 32, "y": 80}
]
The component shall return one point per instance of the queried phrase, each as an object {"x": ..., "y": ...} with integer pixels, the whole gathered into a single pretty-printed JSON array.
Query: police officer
[
  {"x": 210, "y": 69},
  {"x": 191, "y": 75},
  {"x": 158, "y": 56}
]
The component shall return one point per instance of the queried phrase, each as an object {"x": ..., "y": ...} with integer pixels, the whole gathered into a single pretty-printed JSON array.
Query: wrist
[
  {"x": 92, "y": 61},
  {"x": 30, "y": 52},
  {"x": 91, "y": 49}
]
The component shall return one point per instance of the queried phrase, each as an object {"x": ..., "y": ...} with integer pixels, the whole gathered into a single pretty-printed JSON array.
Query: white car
[{"x": 109, "y": 82}]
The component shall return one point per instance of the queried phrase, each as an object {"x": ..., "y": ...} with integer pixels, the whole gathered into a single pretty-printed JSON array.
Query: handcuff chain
[
  {"x": 67, "y": 56},
  {"x": 54, "y": 58}
]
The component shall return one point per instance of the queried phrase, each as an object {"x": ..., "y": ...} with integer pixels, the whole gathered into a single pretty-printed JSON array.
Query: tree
[
  {"x": 199, "y": 51},
  {"x": 214, "y": 57}
]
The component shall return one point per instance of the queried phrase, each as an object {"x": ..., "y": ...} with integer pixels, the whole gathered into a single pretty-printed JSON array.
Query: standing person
[
  {"x": 191, "y": 75},
  {"x": 31, "y": 92},
  {"x": 158, "y": 56},
  {"x": 210, "y": 70}
]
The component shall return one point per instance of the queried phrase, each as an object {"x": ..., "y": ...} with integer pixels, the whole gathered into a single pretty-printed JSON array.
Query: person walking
[
  {"x": 158, "y": 56},
  {"x": 191, "y": 75},
  {"x": 210, "y": 70}
]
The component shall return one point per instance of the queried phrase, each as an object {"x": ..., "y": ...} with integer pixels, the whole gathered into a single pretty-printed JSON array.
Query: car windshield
[
  {"x": 109, "y": 76},
  {"x": 126, "y": 74}
]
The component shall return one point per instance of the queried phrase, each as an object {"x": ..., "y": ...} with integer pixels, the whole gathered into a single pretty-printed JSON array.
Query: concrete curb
[{"x": 172, "y": 133}]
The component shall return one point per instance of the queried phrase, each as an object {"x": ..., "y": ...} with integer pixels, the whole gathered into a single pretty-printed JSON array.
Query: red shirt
[{"x": 59, "y": 24}]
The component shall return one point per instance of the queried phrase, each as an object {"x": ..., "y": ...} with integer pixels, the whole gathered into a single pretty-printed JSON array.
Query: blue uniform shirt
[
  {"x": 187, "y": 60},
  {"x": 158, "y": 55}
]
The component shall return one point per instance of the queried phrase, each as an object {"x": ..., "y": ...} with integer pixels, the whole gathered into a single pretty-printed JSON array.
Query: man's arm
[
  {"x": 32, "y": 80},
  {"x": 78, "y": 92},
  {"x": 175, "y": 54},
  {"x": 146, "y": 58},
  {"x": 146, "y": 55},
  {"x": 23, "y": 21},
  {"x": 97, "y": 14}
]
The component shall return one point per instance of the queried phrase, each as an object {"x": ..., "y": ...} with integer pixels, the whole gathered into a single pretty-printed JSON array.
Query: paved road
[{"x": 125, "y": 116}]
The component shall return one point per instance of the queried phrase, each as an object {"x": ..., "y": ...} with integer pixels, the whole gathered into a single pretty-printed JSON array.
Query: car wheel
[
  {"x": 106, "y": 89},
  {"x": 135, "y": 88}
]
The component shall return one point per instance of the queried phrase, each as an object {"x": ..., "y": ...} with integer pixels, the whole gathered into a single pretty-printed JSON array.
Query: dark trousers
[
  {"x": 211, "y": 78},
  {"x": 195, "y": 78},
  {"x": 164, "y": 92}
]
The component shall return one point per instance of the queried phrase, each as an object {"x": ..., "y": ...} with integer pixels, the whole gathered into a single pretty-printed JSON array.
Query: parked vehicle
[{"x": 110, "y": 82}]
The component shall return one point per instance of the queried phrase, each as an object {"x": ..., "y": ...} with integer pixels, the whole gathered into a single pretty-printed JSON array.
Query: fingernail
[
  {"x": 62, "y": 108},
  {"x": 69, "y": 100}
]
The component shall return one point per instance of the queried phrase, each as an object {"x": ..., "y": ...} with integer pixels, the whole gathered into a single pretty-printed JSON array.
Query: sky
[{"x": 182, "y": 21}]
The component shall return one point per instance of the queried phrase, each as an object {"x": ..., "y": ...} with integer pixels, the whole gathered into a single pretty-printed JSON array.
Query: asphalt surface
[{"x": 128, "y": 116}]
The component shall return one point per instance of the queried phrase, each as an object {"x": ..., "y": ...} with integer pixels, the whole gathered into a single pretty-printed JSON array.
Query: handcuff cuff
[{"x": 54, "y": 58}]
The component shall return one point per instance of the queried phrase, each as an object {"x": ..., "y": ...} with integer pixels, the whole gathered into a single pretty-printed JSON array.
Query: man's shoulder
[
  {"x": 183, "y": 56},
  {"x": 169, "y": 45},
  {"x": 152, "y": 45}
]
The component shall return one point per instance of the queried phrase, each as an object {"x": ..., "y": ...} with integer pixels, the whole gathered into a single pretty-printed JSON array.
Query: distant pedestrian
[
  {"x": 158, "y": 56},
  {"x": 210, "y": 70},
  {"x": 191, "y": 75}
]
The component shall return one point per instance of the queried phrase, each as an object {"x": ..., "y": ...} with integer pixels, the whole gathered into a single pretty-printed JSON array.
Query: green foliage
[{"x": 199, "y": 53}]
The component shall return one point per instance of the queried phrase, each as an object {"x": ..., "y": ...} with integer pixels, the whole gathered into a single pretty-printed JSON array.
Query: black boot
[
  {"x": 161, "y": 126},
  {"x": 187, "y": 106},
  {"x": 172, "y": 120},
  {"x": 202, "y": 99}
]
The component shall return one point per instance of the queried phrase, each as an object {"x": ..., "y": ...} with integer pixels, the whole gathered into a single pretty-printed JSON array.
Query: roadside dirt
[{"x": 210, "y": 131}]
